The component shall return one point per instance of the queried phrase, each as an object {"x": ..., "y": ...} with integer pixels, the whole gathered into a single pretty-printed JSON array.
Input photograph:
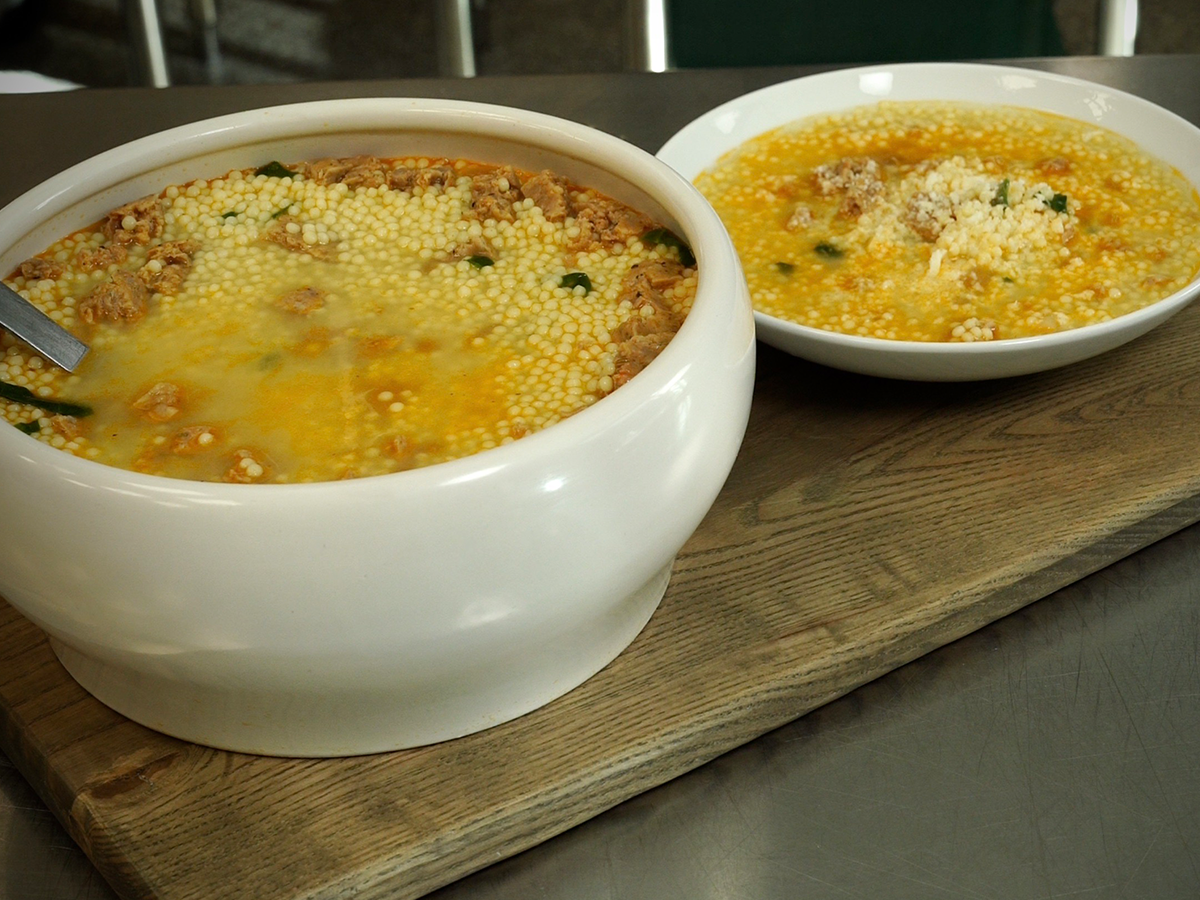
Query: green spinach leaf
[
  {"x": 668, "y": 238},
  {"x": 1001, "y": 198},
  {"x": 275, "y": 169},
  {"x": 17, "y": 394},
  {"x": 1058, "y": 203},
  {"x": 576, "y": 279}
]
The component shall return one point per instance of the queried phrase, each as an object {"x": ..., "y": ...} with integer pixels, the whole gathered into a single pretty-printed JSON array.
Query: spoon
[{"x": 39, "y": 331}]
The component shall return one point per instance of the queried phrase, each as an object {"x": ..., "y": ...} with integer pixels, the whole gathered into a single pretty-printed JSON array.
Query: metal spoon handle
[{"x": 38, "y": 330}]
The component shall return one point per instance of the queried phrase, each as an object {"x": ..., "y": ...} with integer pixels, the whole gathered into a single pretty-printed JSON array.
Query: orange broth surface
[
  {"x": 343, "y": 318},
  {"x": 935, "y": 221}
]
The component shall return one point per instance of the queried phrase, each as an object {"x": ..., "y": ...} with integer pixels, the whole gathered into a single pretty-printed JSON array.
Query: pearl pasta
[{"x": 344, "y": 318}]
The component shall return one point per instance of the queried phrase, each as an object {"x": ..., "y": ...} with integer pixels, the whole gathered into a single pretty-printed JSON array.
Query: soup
[
  {"x": 342, "y": 318},
  {"x": 936, "y": 221}
]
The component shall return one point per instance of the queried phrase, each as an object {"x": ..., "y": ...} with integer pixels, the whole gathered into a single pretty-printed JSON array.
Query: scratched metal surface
[{"x": 1055, "y": 753}]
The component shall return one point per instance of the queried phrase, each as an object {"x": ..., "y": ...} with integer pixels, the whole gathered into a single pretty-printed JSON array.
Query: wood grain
[{"x": 865, "y": 523}]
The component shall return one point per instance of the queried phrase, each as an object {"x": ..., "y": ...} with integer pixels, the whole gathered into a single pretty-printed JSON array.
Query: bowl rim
[
  {"x": 699, "y": 225},
  {"x": 908, "y": 349}
]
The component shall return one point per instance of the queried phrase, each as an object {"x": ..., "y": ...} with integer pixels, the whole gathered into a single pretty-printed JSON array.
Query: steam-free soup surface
[
  {"x": 344, "y": 318},
  {"x": 943, "y": 221}
]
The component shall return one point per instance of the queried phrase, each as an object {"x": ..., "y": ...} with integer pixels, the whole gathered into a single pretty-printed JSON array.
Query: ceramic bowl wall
[{"x": 359, "y": 616}]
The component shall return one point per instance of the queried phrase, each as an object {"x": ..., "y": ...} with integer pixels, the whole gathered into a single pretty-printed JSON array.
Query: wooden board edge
[{"x": 475, "y": 849}]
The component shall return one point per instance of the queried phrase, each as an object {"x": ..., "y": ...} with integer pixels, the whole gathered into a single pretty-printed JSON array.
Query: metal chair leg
[
  {"x": 204, "y": 17},
  {"x": 146, "y": 42},
  {"x": 1118, "y": 27},
  {"x": 646, "y": 27},
  {"x": 455, "y": 40}
]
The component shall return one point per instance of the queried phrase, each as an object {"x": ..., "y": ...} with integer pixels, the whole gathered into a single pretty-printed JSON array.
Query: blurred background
[{"x": 88, "y": 42}]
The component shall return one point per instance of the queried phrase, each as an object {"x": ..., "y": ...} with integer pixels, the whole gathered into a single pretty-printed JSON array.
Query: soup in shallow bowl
[
  {"x": 366, "y": 612},
  {"x": 951, "y": 221}
]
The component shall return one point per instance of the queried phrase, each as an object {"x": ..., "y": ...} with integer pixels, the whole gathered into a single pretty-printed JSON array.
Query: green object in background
[{"x": 716, "y": 33}]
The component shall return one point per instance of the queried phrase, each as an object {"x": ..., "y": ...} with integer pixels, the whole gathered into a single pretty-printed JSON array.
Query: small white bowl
[
  {"x": 359, "y": 616},
  {"x": 698, "y": 145}
]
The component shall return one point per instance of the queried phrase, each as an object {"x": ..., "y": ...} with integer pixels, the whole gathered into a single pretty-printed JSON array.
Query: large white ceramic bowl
[
  {"x": 702, "y": 142},
  {"x": 359, "y": 616}
]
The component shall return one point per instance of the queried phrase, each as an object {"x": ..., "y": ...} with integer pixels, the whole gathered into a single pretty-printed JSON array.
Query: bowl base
[{"x": 363, "y": 717}]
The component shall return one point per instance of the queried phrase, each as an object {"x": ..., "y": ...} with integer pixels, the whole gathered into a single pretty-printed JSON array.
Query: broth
[
  {"x": 344, "y": 317},
  {"x": 935, "y": 221}
]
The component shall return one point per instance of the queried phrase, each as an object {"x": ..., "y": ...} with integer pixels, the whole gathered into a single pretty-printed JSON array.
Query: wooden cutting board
[{"x": 865, "y": 523}]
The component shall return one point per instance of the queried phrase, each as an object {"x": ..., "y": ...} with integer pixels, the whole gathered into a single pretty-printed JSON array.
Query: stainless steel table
[{"x": 1054, "y": 753}]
